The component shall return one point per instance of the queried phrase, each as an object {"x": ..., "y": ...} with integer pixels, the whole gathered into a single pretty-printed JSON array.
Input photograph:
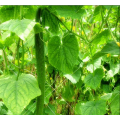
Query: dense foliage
[{"x": 82, "y": 60}]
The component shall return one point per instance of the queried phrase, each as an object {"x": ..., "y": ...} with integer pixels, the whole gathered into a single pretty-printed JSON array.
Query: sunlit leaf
[
  {"x": 17, "y": 94},
  {"x": 21, "y": 27}
]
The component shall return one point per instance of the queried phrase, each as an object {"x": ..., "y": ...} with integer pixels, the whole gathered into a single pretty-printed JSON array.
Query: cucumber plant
[{"x": 59, "y": 60}]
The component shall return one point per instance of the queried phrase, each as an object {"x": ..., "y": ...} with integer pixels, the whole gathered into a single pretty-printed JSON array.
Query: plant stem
[
  {"x": 39, "y": 46},
  {"x": 22, "y": 57},
  {"x": 111, "y": 32},
  {"x": 54, "y": 81},
  {"x": 72, "y": 26},
  {"x": 5, "y": 62},
  {"x": 18, "y": 58},
  {"x": 84, "y": 31},
  {"x": 101, "y": 25}
]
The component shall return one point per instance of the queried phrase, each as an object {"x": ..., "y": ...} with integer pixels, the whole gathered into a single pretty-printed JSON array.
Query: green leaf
[
  {"x": 78, "y": 109},
  {"x": 46, "y": 36},
  {"x": 48, "y": 93},
  {"x": 115, "y": 68},
  {"x": 93, "y": 79},
  {"x": 49, "y": 19},
  {"x": 5, "y": 35},
  {"x": 106, "y": 96},
  {"x": 29, "y": 11},
  {"x": 38, "y": 28},
  {"x": 7, "y": 12},
  {"x": 97, "y": 15},
  {"x": 21, "y": 27},
  {"x": 29, "y": 110},
  {"x": 68, "y": 93},
  {"x": 8, "y": 38},
  {"x": 30, "y": 40},
  {"x": 94, "y": 108},
  {"x": 97, "y": 55},
  {"x": 3, "y": 109},
  {"x": 63, "y": 54},
  {"x": 115, "y": 102},
  {"x": 79, "y": 84},
  {"x": 94, "y": 64},
  {"x": 97, "y": 10},
  {"x": 73, "y": 11},
  {"x": 107, "y": 6},
  {"x": 111, "y": 48},
  {"x": 2, "y": 44},
  {"x": 17, "y": 94},
  {"x": 74, "y": 78},
  {"x": 50, "y": 110},
  {"x": 106, "y": 88},
  {"x": 102, "y": 37}
]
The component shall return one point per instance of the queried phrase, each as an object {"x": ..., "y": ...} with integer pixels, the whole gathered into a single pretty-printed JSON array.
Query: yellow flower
[
  {"x": 108, "y": 55},
  {"x": 62, "y": 19},
  {"x": 50, "y": 78},
  {"x": 118, "y": 43},
  {"x": 82, "y": 33},
  {"x": 73, "y": 28},
  {"x": 104, "y": 69}
]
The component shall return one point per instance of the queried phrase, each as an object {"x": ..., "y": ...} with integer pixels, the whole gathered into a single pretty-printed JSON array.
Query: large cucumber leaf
[
  {"x": 111, "y": 48},
  {"x": 16, "y": 95},
  {"x": 94, "y": 108},
  {"x": 73, "y": 11},
  {"x": 63, "y": 54},
  {"x": 115, "y": 102},
  {"x": 21, "y": 27},
  {"x": 93, "y": 79}
]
